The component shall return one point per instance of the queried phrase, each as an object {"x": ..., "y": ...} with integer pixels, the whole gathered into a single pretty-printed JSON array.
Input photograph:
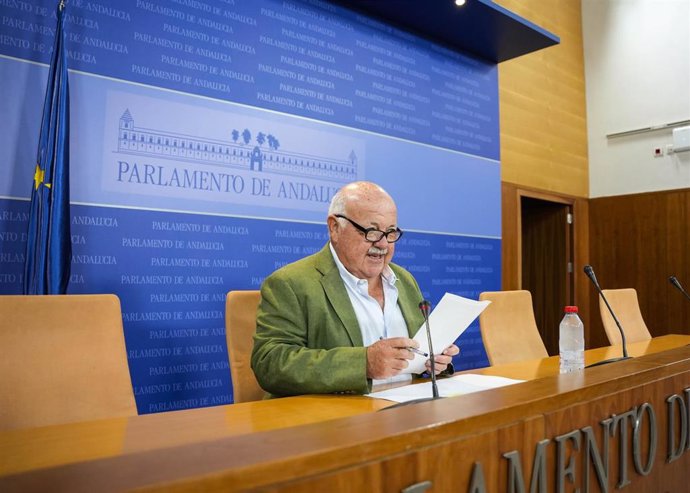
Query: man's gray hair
[{"x": 337, "y": 205}]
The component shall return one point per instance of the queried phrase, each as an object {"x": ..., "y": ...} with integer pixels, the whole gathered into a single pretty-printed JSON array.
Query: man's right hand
[{"x": 388, "y": 357}]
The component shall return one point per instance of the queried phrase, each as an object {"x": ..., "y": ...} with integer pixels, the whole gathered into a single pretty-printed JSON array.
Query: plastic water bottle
[{"x": 571, "y": 341}]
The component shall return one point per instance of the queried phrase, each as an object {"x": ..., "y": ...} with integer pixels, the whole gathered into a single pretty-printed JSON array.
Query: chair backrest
[
  {"x": 240, "y": 326},
  {"x": 627, "y": 308},
  {"x": 63, "y": 360},
  {"x": 508, "y": 327}
]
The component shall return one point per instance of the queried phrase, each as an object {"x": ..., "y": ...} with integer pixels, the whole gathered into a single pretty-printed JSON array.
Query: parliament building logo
[{"x": 244, "y": 149}]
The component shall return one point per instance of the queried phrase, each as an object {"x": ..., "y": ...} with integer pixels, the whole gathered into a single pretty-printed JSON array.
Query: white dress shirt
[{"x": 375, "y": 323}]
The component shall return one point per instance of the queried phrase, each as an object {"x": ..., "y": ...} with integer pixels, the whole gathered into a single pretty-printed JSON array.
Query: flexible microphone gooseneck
[
  {"x": 590, "y": 273},
  {"x": 425, "y": 306},
  {"x": 676, "y": 283}
]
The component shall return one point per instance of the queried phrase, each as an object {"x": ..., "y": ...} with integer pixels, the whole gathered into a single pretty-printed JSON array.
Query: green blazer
[{"x": 308, "y": 340}]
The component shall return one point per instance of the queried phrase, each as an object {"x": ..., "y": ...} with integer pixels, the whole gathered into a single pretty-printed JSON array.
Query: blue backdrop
[{"x": 207, "y": 140}]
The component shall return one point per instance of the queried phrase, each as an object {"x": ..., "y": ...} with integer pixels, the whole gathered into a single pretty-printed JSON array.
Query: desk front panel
[{"x": 635, "y": 437}]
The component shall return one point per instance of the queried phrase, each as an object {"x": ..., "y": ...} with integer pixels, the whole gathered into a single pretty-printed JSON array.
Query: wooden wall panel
[
  {"x": 543, "y": 107},
  {"x": 638, "y": 241},
  {"x": 544, "y": 134}
]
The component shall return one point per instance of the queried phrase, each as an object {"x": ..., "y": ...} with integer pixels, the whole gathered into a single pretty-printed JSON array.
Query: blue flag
[{"x": 49, "y": 248}]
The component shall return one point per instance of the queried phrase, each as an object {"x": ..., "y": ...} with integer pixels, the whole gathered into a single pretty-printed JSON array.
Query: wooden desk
[{"x": 337, "y": 443}]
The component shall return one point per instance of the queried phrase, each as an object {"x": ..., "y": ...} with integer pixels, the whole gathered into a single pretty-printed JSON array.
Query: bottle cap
[{"x": 570, "y": 309}]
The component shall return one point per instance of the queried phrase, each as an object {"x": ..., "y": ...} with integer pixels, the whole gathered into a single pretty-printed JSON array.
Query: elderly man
[{"x": 341, "y": 319}]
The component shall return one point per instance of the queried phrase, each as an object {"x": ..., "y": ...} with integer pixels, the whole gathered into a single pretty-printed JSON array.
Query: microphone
[
  {"x": 676, "y": 283},
  {"x": 590, "y": 273},
  {"x": 425, "y": 306}
]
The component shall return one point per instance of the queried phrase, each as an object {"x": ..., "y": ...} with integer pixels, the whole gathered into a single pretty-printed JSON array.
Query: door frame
[{"x": 511, "y": 241}]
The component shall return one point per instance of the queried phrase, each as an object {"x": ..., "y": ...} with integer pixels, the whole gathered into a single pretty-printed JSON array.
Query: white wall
[{"x": 637, "y": 72}]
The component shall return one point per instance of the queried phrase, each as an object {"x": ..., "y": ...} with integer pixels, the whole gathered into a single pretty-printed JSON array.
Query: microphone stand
[
  {"x": 678, "y": 286},
  {"x": 676, "y": 283},
  {"x": 424, "y": 307},
  {"x": 590, "y": 273}
]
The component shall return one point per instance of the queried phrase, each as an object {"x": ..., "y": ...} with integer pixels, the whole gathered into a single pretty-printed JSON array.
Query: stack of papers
[
  {"x": 447, "y": 387},
  {"x": 447, "y": 322}
]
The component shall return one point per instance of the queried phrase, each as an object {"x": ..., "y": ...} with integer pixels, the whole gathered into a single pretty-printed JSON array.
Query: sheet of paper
[
  {"x": 447, "y": 387},
  {"x": 447, "y": 321}
]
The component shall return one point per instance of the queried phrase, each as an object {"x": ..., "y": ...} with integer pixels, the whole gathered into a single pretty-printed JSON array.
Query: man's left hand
[{"x": 442, "y": 360}]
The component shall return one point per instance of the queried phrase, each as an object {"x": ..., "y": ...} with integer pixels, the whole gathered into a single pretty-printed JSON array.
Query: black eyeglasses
[{"x": 372, "y": 234}]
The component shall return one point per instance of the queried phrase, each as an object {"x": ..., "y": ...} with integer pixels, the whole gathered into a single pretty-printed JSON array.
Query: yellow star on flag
[{"x": 39, "y": 175}]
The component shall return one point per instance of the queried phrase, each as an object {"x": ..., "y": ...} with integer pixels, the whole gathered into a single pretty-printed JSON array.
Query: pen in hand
[
  {"x": 417, "y": 351},
  {"x": 413, "y": 349}
]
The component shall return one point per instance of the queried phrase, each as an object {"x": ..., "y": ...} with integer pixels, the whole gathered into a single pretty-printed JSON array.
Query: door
[{"x": 547, "y": 262}]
